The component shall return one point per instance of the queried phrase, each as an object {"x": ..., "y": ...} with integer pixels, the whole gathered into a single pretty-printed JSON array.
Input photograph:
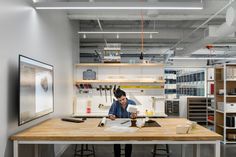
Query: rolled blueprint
[{"x": 103, "y": 122}]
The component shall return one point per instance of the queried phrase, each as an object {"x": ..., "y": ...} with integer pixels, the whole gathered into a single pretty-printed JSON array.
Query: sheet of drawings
[{"x": 121, "y": 125}]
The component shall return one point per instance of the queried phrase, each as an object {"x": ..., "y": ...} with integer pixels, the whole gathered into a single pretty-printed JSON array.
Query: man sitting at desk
[{"x": 118, "y": 110}]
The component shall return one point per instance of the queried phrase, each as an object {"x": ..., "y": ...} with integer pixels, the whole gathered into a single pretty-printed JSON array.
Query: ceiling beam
[{"x": 119, "y": 6}]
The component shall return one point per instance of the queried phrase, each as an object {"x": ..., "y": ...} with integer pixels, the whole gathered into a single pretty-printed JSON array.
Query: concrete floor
[{"x": 228, "y": 150}]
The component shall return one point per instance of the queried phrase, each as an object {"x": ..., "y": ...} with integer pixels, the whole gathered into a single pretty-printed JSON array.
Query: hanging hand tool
[
  {"x": 114, "y": 89},
  {"x": 81, "y": 86},
  {"x": 97, "y": 88},
  {"x": 100, "y": 89},
  {"x": 110, "y": 88},
  {"x": 90, "y": 86},
  {"x": 105, "y": 88}
]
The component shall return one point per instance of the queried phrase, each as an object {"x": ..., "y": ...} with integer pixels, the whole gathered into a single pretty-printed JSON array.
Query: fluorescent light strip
[
  {"x": 206, "y": 58},
  {"x": 117, "y": 32},
  {"x": 119, "y": 8},
  {"x": 119, "y": 5}
]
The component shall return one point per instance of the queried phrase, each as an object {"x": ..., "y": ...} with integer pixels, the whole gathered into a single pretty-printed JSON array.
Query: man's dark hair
[{"x": 119, "y": 93}]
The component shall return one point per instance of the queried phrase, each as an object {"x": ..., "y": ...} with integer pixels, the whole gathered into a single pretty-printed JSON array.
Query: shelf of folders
[{"x": 191, "y": 83}]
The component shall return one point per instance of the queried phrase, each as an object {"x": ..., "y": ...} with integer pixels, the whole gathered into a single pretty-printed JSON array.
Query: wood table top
[{"x": 58, "y": 130}]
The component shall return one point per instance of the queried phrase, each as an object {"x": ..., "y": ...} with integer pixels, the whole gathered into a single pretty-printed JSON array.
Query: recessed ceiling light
[{"x": 150, "y": 36}]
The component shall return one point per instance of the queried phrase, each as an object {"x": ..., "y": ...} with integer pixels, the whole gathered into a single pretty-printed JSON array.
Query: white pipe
[
  {"x": 100, "y": 26},
  {"x": 225, "y": 30},
  {"x": 221, "y": 32},
  {"x": 213, "y": 16},
  {"x": 135, "y": 17}
]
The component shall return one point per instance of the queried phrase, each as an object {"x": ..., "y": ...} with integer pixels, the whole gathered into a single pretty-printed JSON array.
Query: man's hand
[
  {"x": 112, "y": 117},
  {"x": 133, "y": 115}
]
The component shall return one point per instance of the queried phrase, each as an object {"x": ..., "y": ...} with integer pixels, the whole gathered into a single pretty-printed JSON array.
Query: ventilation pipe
[
  {"x": 229, "y": 26},
  {"x": 224, "y": 30}
]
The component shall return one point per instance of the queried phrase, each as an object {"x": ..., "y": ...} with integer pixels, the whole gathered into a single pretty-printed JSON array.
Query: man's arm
[{"x": 111, "y": 114}]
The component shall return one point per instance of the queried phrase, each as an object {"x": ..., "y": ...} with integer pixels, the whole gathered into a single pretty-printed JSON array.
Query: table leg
[
  {"x": 196, "y": 150},
  {"x": 36, "y": 150},
  {"x": 15, "y": 148},
  {"x": 217, "y": 149},
  {"x": 183, "y": 147}
]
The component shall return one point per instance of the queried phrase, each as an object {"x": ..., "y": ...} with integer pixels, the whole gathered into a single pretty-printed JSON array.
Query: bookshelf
[{"x": 225, "y": 100}]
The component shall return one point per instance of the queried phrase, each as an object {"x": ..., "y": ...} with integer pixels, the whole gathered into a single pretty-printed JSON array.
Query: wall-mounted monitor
[{"x": 36, "y": 88}]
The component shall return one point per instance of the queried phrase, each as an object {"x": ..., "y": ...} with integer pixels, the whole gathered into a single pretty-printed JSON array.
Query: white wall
[{"x": 45, "y": 36}]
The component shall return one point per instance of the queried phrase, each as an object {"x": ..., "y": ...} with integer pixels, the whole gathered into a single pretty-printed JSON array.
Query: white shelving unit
[
  {"x": 124, "y": 73},
  {"x": 141, "y": 82},
  {"x": 170, "y": 84},
  {"x": 210, "y": 111},
  {"x": 225, "y": 80}
]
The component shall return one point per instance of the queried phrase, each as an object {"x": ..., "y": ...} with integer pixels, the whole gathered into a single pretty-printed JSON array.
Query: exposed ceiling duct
[
  {"x": 172, "y": 27},
  {"x": 135, "y": 17},
  {"x": 215, "y": 33}
]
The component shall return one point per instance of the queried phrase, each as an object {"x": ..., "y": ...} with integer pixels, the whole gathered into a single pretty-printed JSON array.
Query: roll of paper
[{"x": 103, "y": 122}]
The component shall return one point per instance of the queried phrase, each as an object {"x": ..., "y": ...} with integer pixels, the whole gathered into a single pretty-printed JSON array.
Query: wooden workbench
[{"x": 55, "y": 131}]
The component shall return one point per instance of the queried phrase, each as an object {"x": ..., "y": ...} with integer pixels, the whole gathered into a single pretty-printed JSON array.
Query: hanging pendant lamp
[{"x": 142, "y": 36}]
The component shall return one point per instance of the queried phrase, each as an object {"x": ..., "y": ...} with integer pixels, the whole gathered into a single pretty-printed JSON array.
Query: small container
[
  {"x": 88, "y": 106},
  {"x": 133, "y": 123}
]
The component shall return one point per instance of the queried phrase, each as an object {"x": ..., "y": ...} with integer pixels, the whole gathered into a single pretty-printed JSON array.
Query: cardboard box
[{"x": 231, "y": 136}]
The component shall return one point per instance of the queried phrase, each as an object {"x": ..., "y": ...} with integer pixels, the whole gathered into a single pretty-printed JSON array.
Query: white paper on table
[
  {"x": 123, "y": 125},
  {"x": 121, "y": 129}
]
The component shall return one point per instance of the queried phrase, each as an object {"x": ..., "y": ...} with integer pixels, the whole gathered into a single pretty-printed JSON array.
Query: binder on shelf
[
  {"x": 230, "y": 121},
  {"x": 212, "y": 88}
]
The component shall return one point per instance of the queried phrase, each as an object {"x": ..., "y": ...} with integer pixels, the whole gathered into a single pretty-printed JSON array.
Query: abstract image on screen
[{"x": 36, "y": 89}]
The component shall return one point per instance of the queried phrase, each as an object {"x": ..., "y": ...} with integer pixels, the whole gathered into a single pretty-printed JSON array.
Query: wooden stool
[
  {"x": 163, "y": 151},
  {"x": 84, "y": 151}
]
